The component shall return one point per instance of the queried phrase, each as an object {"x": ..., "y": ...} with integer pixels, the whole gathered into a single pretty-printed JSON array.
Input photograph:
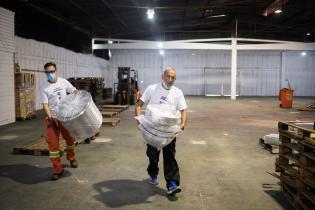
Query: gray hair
[{"x": 167, "y": 69}]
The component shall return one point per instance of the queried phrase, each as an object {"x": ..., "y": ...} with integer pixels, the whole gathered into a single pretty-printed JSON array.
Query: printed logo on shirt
[
  {"x": 163, "y": 100},
  {"x": 58, "y": 92}
]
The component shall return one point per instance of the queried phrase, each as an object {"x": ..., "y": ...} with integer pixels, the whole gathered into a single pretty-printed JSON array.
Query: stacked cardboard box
[{"x": 24, "y": 95}]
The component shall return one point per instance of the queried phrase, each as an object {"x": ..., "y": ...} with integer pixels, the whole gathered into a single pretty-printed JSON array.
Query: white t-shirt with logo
[
  {"x": 53, "y": 93},
  {"x": 156, "y": 94}
]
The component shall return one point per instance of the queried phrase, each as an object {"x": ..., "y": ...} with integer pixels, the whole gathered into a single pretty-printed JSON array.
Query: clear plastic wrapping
[
  {"x": 159, "y": 125},
  {"x": 163, "y": 114},
  {"x": 79, "y": 115}
]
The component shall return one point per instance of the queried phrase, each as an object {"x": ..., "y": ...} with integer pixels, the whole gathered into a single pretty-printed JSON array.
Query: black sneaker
[
  {"x": 74, "y": 164},
  {"x": 56, "y": 176}
]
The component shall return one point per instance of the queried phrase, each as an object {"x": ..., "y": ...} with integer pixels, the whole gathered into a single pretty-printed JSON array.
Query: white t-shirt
[
  {"x": 156, "y": 94},
  {"x": 53, "y": 93}
]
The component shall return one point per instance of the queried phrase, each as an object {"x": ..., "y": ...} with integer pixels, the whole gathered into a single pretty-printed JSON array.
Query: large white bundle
[
  {"x": 163, "y": 114},
  {"x": 78, "y": 113},
  {"x": 272, "y": 139},
  {"x": 159, "y": 125}
]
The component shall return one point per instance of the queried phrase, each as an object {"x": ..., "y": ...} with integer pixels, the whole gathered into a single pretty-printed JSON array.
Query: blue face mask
[
  {"x": 167, "y": 86},
  {"x": 51, "y": 76}
]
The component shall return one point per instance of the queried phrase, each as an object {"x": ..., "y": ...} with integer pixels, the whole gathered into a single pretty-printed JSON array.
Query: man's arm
[
  {"x": 51, "y": 120},
  {"x": 47, "y": 111},
  {"x": 138, "y": 109},
  {"x": 183, "y": 119}
]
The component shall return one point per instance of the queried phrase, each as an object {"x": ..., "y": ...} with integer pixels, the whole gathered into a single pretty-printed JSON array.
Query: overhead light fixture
[
  {"x": 110, "y": 42},
  {"x": 161, "y": 52},
  {"x": 275, "y": 7},
  {"x": 160, "y": 44},
  {"x": 150, "y": 14},
  {"x": 308, "y": 34},
  {"x": 303, "y": 53},
  {"x": 216, "y": 16}
]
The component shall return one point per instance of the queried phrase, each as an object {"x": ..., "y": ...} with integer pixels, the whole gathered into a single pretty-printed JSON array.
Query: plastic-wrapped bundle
[
  {"x": 146, "y": 121},
  {"x": 272, "y": 139},
  {"x": 163, "y": 114},
  {"x": 155, "y": 141},
  {"x": 79, "y": 115},
  {"x": 159, "y": 126}
]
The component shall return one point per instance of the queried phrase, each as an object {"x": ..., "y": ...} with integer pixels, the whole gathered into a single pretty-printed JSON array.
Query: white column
[{"x": 233, "y": 68}]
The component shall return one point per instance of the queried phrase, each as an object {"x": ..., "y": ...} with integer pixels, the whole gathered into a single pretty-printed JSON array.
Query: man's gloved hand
[{"x": 53, "y": 123}]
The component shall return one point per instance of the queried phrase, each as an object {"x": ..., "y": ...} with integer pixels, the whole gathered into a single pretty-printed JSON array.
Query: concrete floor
[{"x": 221, "y": 164}]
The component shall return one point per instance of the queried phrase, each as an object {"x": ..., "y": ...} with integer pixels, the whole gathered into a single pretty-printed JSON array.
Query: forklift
[{"x": 127, "y": 86}]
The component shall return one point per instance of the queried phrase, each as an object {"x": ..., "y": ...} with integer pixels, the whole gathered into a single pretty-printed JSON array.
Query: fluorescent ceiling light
[
  {"x": 150, "y": 14},
  {"x": 216, "y": 16},
  {"x": 278, "y": 11},
  {"x": 161, "y": 52},
  {"x": 303, "y": 53}
]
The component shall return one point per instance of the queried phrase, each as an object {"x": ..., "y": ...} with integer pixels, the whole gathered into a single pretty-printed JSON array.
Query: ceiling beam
[
  {"x": 90, "y": 16},
  {"x": 60, "y": 18},
  {"x": 115, "y": 13}
]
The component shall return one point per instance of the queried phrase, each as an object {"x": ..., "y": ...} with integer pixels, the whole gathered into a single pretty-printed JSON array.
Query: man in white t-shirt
[
  {"x": 52, "y": 91},
  {"x": 165, "y": 93}
]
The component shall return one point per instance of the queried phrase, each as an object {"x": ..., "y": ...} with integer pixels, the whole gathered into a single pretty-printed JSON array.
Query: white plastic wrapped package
[
  {"x": 155, "y": 141},
  {"x": 159, "y": 126},
  {"x": 163, "y": 114},
  {"x": 79, "y": 115},
  {"x": 146, "y": 121},
  {"x": 272, "y": 139}
]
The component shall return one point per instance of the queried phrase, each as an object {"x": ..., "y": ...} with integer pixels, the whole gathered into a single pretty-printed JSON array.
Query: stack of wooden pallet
[
  {"x": 309, "y": 108},
  {"x": 94, "y": 85},
  {"x": 24, "y": 95},
  {"x": 296, "y": 162},
  {"x": 111, "y": 113}
]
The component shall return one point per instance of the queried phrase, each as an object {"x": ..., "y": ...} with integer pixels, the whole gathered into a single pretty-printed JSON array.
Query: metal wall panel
[
  {"x": 7, "y": 100},
  {"x": 261, "y": 73},
  {"x": 300, "y": 72},
  {"x": 32, "y": 55}
]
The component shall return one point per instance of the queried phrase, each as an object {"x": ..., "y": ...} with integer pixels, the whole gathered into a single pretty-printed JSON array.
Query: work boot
[
  {"x": 173, "y": 188},
  {"x": 56, "y": 176},
  {"x": 74, "y": 164}
]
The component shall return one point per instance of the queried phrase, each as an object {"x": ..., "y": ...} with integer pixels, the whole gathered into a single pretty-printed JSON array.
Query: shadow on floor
[
  {"x": 28, "y": 174},
  {"x": 117, "y": 193},
  {"x": 280, "y": 198}
]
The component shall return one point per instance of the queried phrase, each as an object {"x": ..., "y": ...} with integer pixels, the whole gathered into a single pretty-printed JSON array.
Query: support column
[{"x": 233, "y": 68}]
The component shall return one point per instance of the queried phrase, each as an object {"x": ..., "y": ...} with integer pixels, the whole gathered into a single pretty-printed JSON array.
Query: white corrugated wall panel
[
  {"x": 7, "y": 46},
  {"x": 300, "y": 71},
  {"x": 32, "y": 55},
  {"x": 259, "y": 72}
]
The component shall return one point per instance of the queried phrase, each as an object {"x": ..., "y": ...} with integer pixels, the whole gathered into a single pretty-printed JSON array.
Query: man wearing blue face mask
[
  {"x": 165, "y": 93},
  {"x": 52, "y": 91}
]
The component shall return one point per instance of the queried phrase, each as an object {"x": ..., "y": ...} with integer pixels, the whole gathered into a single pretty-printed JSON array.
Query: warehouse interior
[{"x": 246, "y": 69}]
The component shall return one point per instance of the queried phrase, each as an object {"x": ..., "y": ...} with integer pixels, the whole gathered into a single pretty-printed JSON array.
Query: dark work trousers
[{"x": 171, "y": 170}]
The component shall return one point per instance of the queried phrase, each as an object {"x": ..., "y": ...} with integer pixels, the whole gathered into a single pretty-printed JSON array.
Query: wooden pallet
[
  {"x": 111, "y": 121},
  {"x": 273, "y": 149},
  {"x": 37, "y": 147},
  {"x": 30, "y": 116},
  {"x": 310, "y": 108},
  {"x": 119, "y": 110},
  {"x": 109, "y": 114},
  {"x": 124, "y": 107}
]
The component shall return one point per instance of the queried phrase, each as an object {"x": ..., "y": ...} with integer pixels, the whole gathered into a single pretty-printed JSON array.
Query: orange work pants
[{"x": 52, "y": 139}]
